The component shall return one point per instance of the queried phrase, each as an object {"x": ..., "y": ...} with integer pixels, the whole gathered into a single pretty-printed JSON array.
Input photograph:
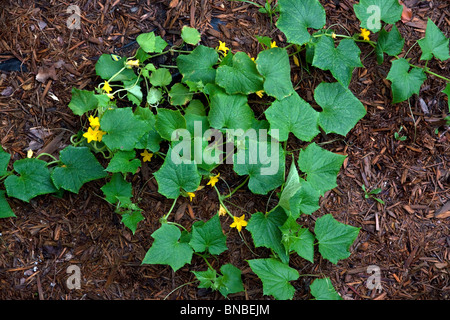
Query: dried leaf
[{"x": 407, "y": 12}]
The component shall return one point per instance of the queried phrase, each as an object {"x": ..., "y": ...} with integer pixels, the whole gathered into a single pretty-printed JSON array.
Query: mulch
[{"x": 408, "y": 238}]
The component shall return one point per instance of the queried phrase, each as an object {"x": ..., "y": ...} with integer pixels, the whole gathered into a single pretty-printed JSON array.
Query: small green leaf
[
  {"x": 117, "y": 188},
  {"x": 195, "y": 107},
  {"x": 207, "y": 279},
  {"x": 4, "y": 161},
  {"x": 298, "y": 239},
  {"x": 265, "y": 231},
  {"x": 124, "y": 162},
  {"x": 305, "y": 200},
  {"x": 341, "y": 109},
  {"x": 371, "y": 12},
  {"x": 341, "y": 61},
  {"x": 242, "y": 77},
  {"x": 106, "y": 68},
  {"x": 79, "y": 166},
  {"x": 209, "y": 237},
  {"x": 275, "y": 277},
  {"x": 274, "y": 66},
  {"x": 168, "y": 121},
  {"x": 230, "y": 111},
  {"x": 172, "y": 177},
  {"x": 447, "y": 92},
  {"x": 293, "y": 114},
  {"x": 434, "y": 44},
  {"x": 151, "y": 139},
  {"x": 321, "y": 167},
  {"x": 322, "y": 289},
  {"x": 231, "y": 281},
  {"x": 34, "y": 180},
  {"x": 389, "y": 42},
  {"x": 82, "y": 101},
  {"x": 297, "y": 16},
  {"x": 151, "y": 43},
  {"x": 190, "y": 35},
  {"x": 160, "y": 77},
  {"x": 5, "y": 209},
  {"x": 198, "y": 65},
  {"x": 154, "y": 96},
  {"x": 168, "y": 249},
  {"x": 179, "y": 95},
  {"x": 334, "y": 237},
  {"x": 131, "y": 219},
  {"x": 405, "y": 83}
]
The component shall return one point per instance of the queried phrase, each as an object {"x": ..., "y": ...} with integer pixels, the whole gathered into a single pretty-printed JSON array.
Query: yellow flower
[
  {"x": 333, "y": 35},
  {"x": 133, "y": 63},
  {"x": 222, "y": 211},
  {"x": 91, "y": 135},
  {"x": 253, "y": 59},
  {"x": 260, "y": 93},
  {"x": 365, "y": 34},
  {"x": 213, "y": 180},
  {"x": 29, "y": 153},
  {"x": 239, "y": 222},
  {"x": 223, "y": 47},
  {"x": 94, "y": 122},
  {"x": 191, "y": 195},
  {"x": 146, "y": 156},
  {"x": 273, "y": 44},
  {"x": 106, "y": 87},
  {"x": 100, "y": 134},
  {"x": 296, "y": 62}
]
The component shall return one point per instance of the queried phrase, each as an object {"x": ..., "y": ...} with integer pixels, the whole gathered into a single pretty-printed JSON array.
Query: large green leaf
[
  {"x": 5, "y": 209},
  {"x": 322, "y": 289},
  {"x": 82, "y": 101},
  {"x": 179, "y": 95},
  {"x": 341, "y": 61},
  {"x": 275, "y": 277},
  {"x": 150, "y": 140},
  {"x": 117, "y": 188},
  {"x": 208, "y": 237},
  {"x": 297, "y": 16},
  {"x": 160, "y": 77},
  {"x": 321, "y": 167},
  {"x": 274, "y": 66},
  {"x": 106, "y": 68},
  {"x": 242, "y": 77},
  {"x": 168, "y": 121},
  {"x": 33, "y": 180},
  {"x": 230, "y": 111},
  {"x": 293, "y": 114},
  {"x": 341, "y": 109},
  {"x": 172, "y": 177},
  {"x": 198, "y": 65},
  {"x": 298, "y": 239},
  {"x": 4, "y": 161},
  {"x": 79, "y": 166},
  {"x": 390, "y": 42},
  {"x": 123, "y": 128},
  {"x": 265, "y": 230},
  {"x": 334, "y": 237},
  {"x": 168, "y": 249},
  {"x": 434, "y": 44},
  {"x": 405, "y": 83},
  {"x": 371, "y": 12}
]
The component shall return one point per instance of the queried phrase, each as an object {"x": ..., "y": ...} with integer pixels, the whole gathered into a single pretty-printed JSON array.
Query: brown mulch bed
[{"x": 407, "y": 238}]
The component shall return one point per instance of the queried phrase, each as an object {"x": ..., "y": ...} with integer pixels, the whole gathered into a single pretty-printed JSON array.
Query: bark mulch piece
[{"x": 407, "y": 238}]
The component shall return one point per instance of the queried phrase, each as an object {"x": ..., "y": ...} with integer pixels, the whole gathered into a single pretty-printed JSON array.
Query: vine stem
[
  {"x": 170, "y": 211},
  {"x": 179, "y": 287},
  {"x": 236, "y": 189}
]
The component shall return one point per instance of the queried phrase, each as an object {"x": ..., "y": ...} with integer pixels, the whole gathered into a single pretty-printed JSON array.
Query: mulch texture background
[{"x": 407, "y": 238}]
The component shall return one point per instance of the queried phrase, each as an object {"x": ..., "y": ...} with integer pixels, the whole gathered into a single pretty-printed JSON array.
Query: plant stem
[
  {"x": 171, "y": 208},
  {"x": 236, "y": 189},
  {"x": 48, "y": 155}
]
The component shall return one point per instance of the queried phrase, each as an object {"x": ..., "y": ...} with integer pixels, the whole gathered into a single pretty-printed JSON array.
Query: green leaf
[
  {"x": 293, "y": 114},
  {"x": 265, "y": 230},
  {"x": 298, "y": 239},
  {"x": 264, "y": 40},
  {"x": 389, "y": 42},
  {"x": 190, "y": 35},
  {"x": 117, "y": 188},
  {"x": 172, "y": 177},
  {"x": 242, "y": 77},
  {"x": 168, "y": 121},
  {"x": 322, "y": 289},
  {"x": 131, "y": 219},
  {"x": 151, "y": 139},
  {"x": 297, "y": 16},
  {"x": 160, "y": 77},
  {"x": 275, "y": 277},
  {"x": 106, "y": 68},
  {"x": 263, "y": 161},
  {"x": 334, "y": 237},
  {"x": 168, "y": 249},
  {"x": 290, "y": 188},
  {"x": 82, "y": 101},
  {"x": 179, "y": 95},
  {"x": 198, "y": 65},
  {"x": 321, "y": 167},
  {"x": 230, "y": 111},
  {"x": 79, "y": 166},
  {"x": 434, "y": 44},
  {"x": 274, "y": 66},
  {"x": 195, "y": 107},
  {"x": 154, "y": 96},
  {"x": 124, "y": 162},
  {"x": 4, "y": 161},
  {"x": 5, "y": 209},
  {"x": 446, "y": 91},
  {"x": 231, "y": 281},
  {"x": 341, "y": 109},
  {"x": 371, "y": 12},
  {"x": 209, "y": 237},
  {"x": 305, "y": 200},
  {"x": 134, "y": 92},
  {"x": 123, "y": 127},
  {"x": 405, "y": 83},
  {"x": 341, "y": 61},
  {"x": 207, "y": 279},
  {"x": 34, "y": 180},
  {"x": 151, "y": 43}
]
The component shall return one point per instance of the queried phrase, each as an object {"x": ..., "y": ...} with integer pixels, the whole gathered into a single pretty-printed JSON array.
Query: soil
[{"x": 407, "y": 238}]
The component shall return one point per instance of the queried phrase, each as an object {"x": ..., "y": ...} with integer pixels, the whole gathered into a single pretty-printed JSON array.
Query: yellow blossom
[
  {"x": 213, "y": 180},
  {"x": 91, "y": 135},
  {"x": 239, "y": 222},
  {"x": 273, "y": 44},
  {"x": 222, "y": 211},
  {"x": 29, "y": 153},
  {"x": 106, "y": 87},
  {"x": 296, "y": 62},
  {"x": 365, "y": 34},
  {"x": 147, "y": 156},
  {"x": 223, "y": 47},
  {"x": 191, "y": 195},
  {"x": 94, "y": 122},
  {"x": 100, "y": 134},
  {"x": 260, "y": 93},
  {"x": 333, "y": 35},
  {"x": 253, "y": 59},
  {"x": 133, "y": 63}
]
